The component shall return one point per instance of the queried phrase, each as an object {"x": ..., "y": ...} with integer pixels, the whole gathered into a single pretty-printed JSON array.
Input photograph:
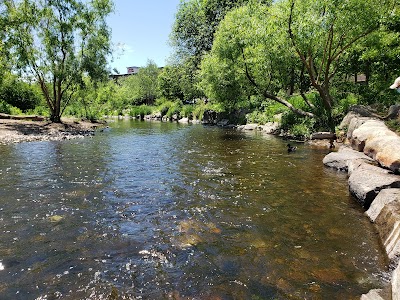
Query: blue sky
[{"x": 140, "y": 31}]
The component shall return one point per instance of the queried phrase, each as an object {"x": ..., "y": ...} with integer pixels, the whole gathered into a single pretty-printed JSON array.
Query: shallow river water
[{"x": 165, "y": 211}]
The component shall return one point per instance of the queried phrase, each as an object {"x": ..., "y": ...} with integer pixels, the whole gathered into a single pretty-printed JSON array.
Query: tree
[
  {"x": 297, "y": 44},
  {"x": 58, "y": 42},
  {"x": 196, "y": 23},
  {"x": 141, "y": 88},
  {"x": 323, "y": 32},
  {"x": 192, "y": 36},
  {"x": 3, "y": 33},
  {"x": 180, "y": 82},
  {"x": 168, "y": 83},
  {"x": 147, "y": 81},
  {"x": 250, "y": 56}
]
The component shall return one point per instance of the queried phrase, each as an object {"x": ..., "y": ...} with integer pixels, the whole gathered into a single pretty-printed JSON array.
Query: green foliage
[
  {"x": 39, "y": 110},
  {"x": 292, "y": 45},
  {"x": 140, "y": 88},
  {"x": 140, "y": 111},
  {"x": 250, "y": 57},
  {"x": 5, "y": 108},
  {"x": 200, "y": 107},
  {"x": 394, "y": 125},
  {"x": 297, "y": 126},
  {"x": 169, "y": 82},
  {"x": 19, "y": 94},
  {"x": 196, "y": 22},
  {"x": 343, "y": 105},
  {"x": 174, "y": 109},
  {"x": 59, "y": 42},
  {"x": 179, "y": 82},
  {"x": 187, "y": 111}
]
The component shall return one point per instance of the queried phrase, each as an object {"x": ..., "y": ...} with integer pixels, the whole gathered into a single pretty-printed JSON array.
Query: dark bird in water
[{"x": 291, "y": 148}]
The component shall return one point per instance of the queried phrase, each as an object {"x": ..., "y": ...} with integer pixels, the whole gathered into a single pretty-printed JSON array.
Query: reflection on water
[{"x": 165, "y": 211}]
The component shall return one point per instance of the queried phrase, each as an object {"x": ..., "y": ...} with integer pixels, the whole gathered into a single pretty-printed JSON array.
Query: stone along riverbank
[{"x": 371, "y": 156}]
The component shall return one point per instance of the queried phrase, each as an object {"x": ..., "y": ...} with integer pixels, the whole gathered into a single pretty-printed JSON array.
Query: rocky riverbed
[{"x": 30, "y": 130}]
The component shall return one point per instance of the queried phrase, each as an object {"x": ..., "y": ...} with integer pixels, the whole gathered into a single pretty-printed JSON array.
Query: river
[{"x": 147, "y": 210}]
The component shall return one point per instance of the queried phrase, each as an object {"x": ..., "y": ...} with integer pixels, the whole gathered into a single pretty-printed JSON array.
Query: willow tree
[
  {"x": 250, "y": 56},
  {"x": 58, "y": 42},
  {"x": 257, "y": 49},
  {"x": 323, "y": 32}
]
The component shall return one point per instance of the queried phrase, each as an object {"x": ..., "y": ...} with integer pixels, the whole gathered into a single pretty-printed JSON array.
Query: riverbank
[
  {"x": 38, "y": 129},
  {"x": 370, "y": 155}
]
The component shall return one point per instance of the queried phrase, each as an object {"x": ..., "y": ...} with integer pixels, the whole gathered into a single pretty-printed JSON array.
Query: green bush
[
  {"x": 187, "y": 111},
  {"x": 19, "y": 94},
  {"x": 5, "y": 108},
  {"x": 298, "y": 126},
  {"x": 343, "y": 105},
  {"x": 140, "y": 111},
  {"x": 174, "y": 109},
  {"x": 200, "y": 107}
]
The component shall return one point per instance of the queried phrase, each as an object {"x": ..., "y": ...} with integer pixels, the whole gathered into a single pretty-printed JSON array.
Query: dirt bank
[{"x": 16, "y": 131}]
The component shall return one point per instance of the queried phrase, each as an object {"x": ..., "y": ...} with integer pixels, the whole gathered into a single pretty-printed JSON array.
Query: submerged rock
[{"x": 55, "y": 218}]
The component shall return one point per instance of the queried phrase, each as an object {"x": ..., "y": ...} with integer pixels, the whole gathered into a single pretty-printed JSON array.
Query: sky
[{"x": 140, "y": 31}]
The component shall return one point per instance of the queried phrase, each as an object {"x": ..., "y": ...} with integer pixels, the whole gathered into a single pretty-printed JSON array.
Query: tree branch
[{"x": 271, "y": 96}]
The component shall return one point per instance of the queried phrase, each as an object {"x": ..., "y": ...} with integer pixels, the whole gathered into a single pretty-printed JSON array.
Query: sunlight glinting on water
[{"x": 160, "y": 210}]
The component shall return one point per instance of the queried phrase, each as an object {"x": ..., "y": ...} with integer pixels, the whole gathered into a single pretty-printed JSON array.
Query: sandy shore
[{"x": 17, "y": 131}]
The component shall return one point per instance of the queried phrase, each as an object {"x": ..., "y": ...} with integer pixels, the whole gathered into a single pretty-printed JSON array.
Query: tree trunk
[{"x": 56, "y": 112}]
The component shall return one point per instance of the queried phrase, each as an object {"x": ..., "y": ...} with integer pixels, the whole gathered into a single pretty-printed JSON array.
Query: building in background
[{"x": 132, "y": 70}]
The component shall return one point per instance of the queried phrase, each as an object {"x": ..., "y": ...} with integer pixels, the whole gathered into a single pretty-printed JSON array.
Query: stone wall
[{"x": 371, "y": 156}]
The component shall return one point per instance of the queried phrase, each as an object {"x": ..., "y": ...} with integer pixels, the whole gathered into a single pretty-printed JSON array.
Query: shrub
[
  {"x": 5, "y": 108},
  {"x": 140, "y": 111},
  {"x": 19, "y": 94},
  {"x": 174, "y": 109},
  {"x": 187, "y": 111}
]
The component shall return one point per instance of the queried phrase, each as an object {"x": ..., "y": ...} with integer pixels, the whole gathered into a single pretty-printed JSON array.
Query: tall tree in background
[
  {"x": 257, "y": 48},
  {"x": 196, "y": 22},
  {"x": 58, "y": 42},
  {"x": 192, "y": 36},
  {"x": 3, "y": 33},
  {"x": 322, "y": 34}
]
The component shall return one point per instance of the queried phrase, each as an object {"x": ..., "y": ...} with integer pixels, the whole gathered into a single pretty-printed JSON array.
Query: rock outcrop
[
  {"x": 373, "y": 165},
  {"x": 373, "y": 138}
]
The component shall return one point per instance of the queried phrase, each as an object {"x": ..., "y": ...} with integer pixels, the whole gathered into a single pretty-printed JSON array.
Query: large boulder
[
  {"x": 368, "y": 130},
  {"x": 270, "y": 127},
  {"x": 340, "y": 160},
  {"x": 385, "y": 150},
  {"x": 384, "y": 197},
  {"x": 357, "y": 111},
  {"x": 354, "y": 123},
  {"x": 366, "y": 181},
  {"x": 388, "y": 225}
]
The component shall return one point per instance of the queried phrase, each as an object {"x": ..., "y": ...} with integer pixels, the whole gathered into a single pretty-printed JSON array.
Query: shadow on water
[{"x": 166, "y": 211}]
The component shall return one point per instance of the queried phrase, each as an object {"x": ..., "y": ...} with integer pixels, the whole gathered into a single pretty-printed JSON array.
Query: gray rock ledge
[{"x": 372, "y": 167}]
